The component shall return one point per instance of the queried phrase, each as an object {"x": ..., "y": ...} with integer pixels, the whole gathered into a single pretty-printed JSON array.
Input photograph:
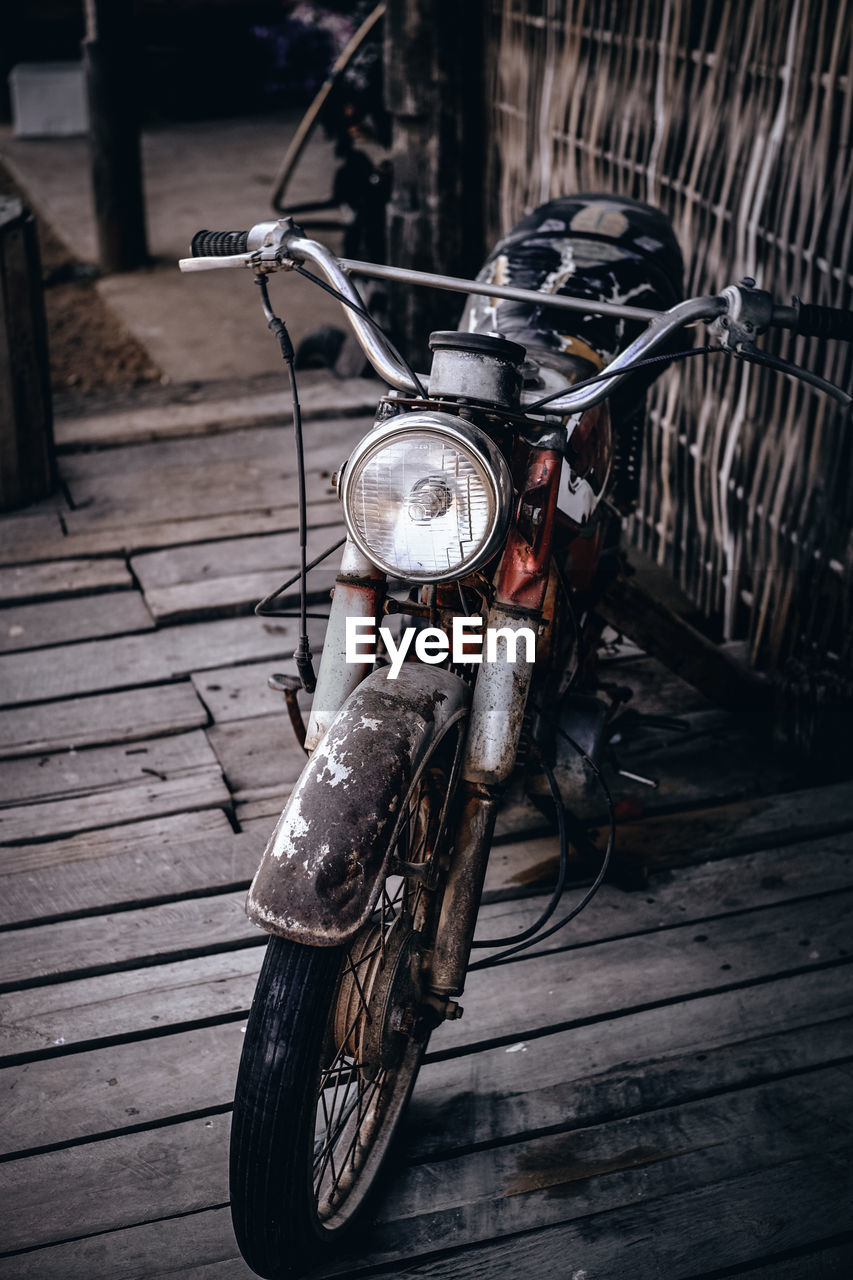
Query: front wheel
[{"x": 333, "y": 1044}]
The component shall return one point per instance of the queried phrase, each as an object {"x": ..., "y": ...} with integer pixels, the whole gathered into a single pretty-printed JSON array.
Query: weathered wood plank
[
  {"x": 542, "y": 1181},
  {"x": 218, "y": 920},
  {"x": 166, "y": 932},
  {"x": 242, "y": 692},
  {"x": 326, "y": 446},
  {"x": 32, "y": 626},
  {"x": 260, "y": 815},
  {"x": 679, "y": 839},
  {"x": 830, "y": 1263},
  {"x": 203, "y": 788},
  {"x": 200, "y": 855},
  {"x": 95, "y": 769},
  {"x": 152, "y": 999},
  {"x": 258, "y": 755},
  {"x": 731, "y": 828},
  {"x": 318, "y": 398},
  {"x": 197, "y": 488},
  {"x": 140, "y": 840},
  {"x": 128, "y": 716},
  {"x": 62, "y": 578},
  {"x": 556, "y": 991},
  {"x": 208, "y": 578},
  {"x": 229, "y": 558},
  {"x": 230, "y": 596},
  {"x": 476, "y": 1197},
  {"x": 114, "y": 536},
  {"x": 590, "y": 981},
  {"x": 731, "y": 1222},
  {"x": 571, "y": 1078},
  {"x": 106, "y": 665},
  {"x": 151, "y": 1250}
]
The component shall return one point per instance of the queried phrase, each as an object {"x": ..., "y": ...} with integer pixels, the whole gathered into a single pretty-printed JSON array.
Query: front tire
[{"x": 334, "y": 1041}]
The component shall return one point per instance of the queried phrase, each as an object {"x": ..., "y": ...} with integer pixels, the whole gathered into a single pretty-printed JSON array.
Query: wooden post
[
  {"x": 109, "y": 60},
  {"x": 26, "y": 419},
  {"x": 434, "y": 91}
]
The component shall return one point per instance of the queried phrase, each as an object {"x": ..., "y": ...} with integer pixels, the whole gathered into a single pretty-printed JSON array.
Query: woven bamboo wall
[{"x": 737, "y": 120}]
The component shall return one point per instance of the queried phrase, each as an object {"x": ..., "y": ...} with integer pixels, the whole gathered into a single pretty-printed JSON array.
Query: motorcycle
[{"x": 482, "y": 512}]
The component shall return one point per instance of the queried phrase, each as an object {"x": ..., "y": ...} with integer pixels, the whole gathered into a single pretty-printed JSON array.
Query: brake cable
[
  {"x": 365, "y": 315},
  {"x": 302, "y": 655},
  {"x": 664, "y": 358},
  {"x": 262, "y": 608},
  {"x": 531, "y": 941}
]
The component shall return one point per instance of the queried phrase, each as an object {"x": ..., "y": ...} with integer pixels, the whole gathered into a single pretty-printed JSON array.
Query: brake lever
[{"x": 749, "y": 314}]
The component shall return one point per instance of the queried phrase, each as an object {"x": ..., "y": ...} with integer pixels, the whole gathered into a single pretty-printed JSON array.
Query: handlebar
[
  {"x": 814, "y": 321},
  {"x": 742, "y": 311},
  {"x": 219, "y": 244}
]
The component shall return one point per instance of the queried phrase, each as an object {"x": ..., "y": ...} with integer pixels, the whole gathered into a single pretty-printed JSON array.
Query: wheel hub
[{"x": 379, "y": 996}]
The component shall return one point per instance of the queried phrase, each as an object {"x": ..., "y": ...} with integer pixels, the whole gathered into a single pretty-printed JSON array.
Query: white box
[{"x": 48, "y": 99}]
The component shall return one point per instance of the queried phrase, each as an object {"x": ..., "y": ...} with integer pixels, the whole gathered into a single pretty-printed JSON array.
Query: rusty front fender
[{"x": 323, "y": 869}]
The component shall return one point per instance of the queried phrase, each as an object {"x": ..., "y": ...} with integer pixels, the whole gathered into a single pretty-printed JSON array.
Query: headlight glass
[{"x": 427, "y": 497}]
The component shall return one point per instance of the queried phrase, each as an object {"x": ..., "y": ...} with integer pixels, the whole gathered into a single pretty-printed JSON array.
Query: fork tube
[
  {"x": 461, "y": 900},
  {"x": 359, "y": 590},
  {"x": 500, "y": 694}
]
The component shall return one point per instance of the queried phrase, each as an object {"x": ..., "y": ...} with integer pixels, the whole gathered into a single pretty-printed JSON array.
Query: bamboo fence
[{"x": 736, "y": 119}]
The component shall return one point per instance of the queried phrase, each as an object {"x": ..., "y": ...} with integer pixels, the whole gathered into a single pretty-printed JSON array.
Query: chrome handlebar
[{"x": 279, "y": 245}]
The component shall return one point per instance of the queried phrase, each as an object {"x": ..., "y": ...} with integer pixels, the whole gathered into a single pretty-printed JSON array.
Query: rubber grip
[
  {"x": 824, "y": 322},
  {"x": 219, "y": 244}
]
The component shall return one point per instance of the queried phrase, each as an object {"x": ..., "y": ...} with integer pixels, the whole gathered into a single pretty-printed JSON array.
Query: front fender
[{"x": 323, "y": 869}]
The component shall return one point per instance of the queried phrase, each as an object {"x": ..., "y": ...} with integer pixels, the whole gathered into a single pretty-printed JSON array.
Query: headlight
[{"x": 427, "y": 497}]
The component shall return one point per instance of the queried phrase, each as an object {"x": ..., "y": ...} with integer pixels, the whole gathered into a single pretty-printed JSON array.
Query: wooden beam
[
  {"x": 27, "y": 470},
  {"x": 434, "y": 91},
  {"x": 109, "y": 55}
]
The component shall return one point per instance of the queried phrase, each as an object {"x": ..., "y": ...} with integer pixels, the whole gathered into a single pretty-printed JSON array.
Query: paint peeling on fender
[{"x": 323, "y": 868}]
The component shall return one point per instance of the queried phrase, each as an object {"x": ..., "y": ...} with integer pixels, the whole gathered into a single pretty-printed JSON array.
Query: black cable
[
  {"x": 262, "y": 609},
  {"x": 629, "y": 368},
  {"x": 560, "y": 884},
  {"x": 302, "y": 654},
  {"x": 605, "y": 862},
  {"x": 353, "y": 306}
]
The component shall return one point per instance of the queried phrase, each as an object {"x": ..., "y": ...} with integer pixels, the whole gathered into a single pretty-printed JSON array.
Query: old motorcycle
[{"x": 482, "y": 513}]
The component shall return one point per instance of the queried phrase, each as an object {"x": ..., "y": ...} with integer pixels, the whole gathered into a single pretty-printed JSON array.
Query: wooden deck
[{"x": 663, "y": 1090}]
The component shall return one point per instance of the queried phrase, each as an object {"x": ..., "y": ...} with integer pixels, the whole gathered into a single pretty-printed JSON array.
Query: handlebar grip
[
  {"x": 219, "y": 244},
  {"x": 822, "y": 322}
]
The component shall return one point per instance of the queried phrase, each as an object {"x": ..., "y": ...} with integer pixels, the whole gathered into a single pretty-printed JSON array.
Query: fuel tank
[
  {"x": 596, "y": 246},
  {"x": 591, "y": 246}
]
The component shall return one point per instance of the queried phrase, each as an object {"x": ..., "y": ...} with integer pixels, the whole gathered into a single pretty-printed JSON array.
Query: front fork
[
  {"x": 497, "y": 709},
  {"x": 497, "y": 717}
]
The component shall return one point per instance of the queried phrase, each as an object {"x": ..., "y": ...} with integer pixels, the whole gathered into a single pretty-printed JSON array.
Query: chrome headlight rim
[{"x": 469, "y": 439}]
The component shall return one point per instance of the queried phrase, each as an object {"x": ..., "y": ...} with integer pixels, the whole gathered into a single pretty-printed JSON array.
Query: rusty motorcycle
[{"x": 484, "y": 502}]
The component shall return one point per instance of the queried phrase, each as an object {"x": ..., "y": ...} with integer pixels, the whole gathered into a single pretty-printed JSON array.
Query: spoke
[
  {"x": 350, "y": 1154},
  {"x": 328, "y": 1112},
  {"x": 360, "y": 990},
  {"x": 326, "y": 1152}
]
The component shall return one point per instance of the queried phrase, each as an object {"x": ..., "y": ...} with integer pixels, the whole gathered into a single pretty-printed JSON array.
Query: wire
[
  {"x": 602, "y": 871},
  {"x": 629, "y": 368},
  {"x": 361, "y": 311},
  {"x": 261, "y": 608},
  {"x": 302, "y": 655},
  {"x": 561, "y": 875}
]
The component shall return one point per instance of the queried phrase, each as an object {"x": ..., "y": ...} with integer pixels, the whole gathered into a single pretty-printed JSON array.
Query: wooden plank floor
[{"x": 662, "y": 1090}]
